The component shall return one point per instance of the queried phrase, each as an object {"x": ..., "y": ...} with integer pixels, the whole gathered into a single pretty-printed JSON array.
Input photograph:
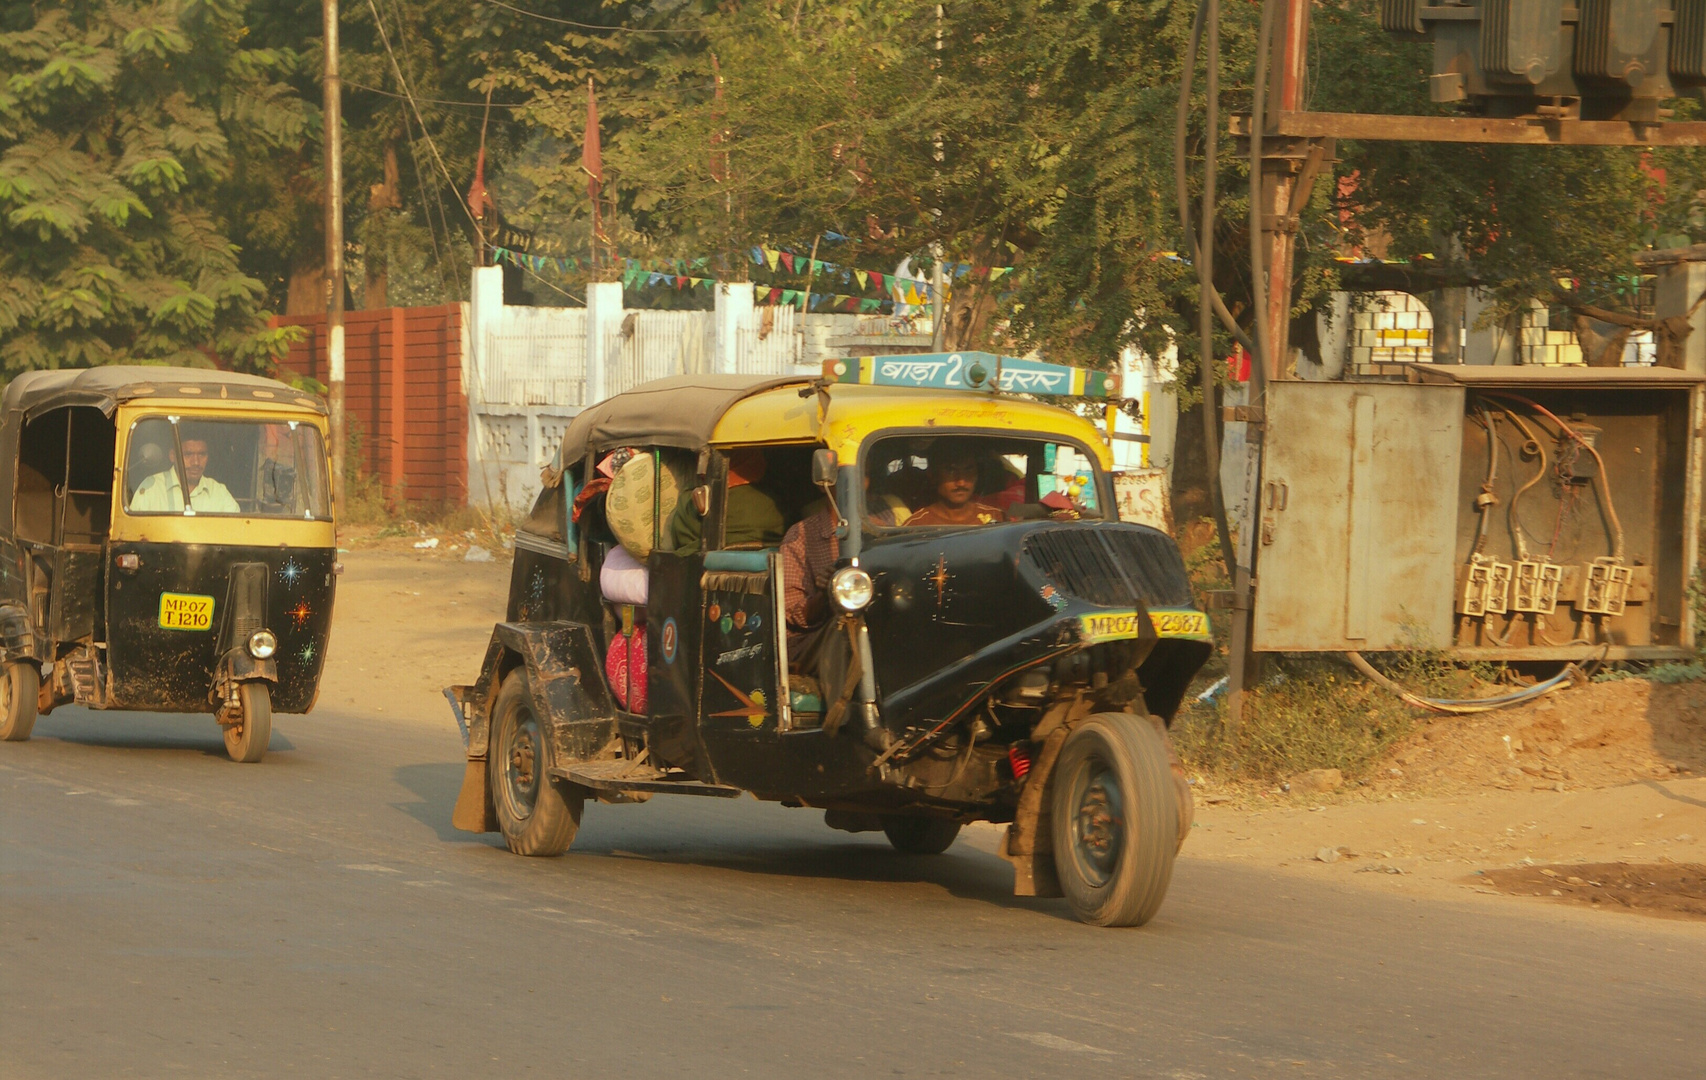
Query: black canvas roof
[
  {"x": 680, "y": 411},
  {"x": 35, "y": 392}
]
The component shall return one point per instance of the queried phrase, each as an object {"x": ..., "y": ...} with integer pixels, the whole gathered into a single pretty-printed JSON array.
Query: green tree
[{"x": 120, "y": 123}]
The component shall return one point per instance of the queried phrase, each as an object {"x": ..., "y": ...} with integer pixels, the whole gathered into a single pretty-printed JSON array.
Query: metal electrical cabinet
[{"x": 1497, "y": 513}]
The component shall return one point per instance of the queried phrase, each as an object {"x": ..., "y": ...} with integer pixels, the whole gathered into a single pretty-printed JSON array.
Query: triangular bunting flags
[
  {"x": 770, "y": 257},
  {"x": 869, "y": 305},
  {"x": 758, "y": 256},
  {"x": 680, "y": 282},
  {"x": 862, "y": 276},
  {"x": 788, "y": 261}
]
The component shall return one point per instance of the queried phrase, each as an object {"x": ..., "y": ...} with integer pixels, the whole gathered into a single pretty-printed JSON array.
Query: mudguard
[{"x": 569, "y": 695}]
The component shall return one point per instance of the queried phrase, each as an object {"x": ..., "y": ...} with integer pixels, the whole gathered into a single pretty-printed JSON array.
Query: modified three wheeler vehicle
[
  {"x": 897, "y": 593},
  {"x": 118, "y": 593}
]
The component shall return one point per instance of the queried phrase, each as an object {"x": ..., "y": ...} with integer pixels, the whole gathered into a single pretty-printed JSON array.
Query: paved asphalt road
[{"x": 164, "y": 912}]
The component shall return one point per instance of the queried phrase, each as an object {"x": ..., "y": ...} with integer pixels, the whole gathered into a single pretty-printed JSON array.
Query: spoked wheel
[
  {"x": 1114, "y": 820},
  {"x": 538, "y": 814},
  {"x": 20, "y": 688},
  {"x": 919, "y": 835},
  {"x": 247, "y": 739}
]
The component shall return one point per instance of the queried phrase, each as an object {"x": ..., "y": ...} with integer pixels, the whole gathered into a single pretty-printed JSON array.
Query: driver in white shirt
[{"x": 162, "y": 492}]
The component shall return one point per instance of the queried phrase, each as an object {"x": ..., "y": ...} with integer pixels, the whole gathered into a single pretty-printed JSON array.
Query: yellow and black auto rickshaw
[
  {"x": 897, "y": 593},
  {"x": 118, "y": 592}
]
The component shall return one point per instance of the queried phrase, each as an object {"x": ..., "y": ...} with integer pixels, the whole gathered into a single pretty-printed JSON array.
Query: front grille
[{"x": 1112, "y": 567}]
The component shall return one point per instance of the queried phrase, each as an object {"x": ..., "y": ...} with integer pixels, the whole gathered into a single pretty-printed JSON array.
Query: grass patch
[
  {"x": 367, "y": 503},
  {"x": 1668, "y": 674},
  {"x": 1315, "y": 713}
]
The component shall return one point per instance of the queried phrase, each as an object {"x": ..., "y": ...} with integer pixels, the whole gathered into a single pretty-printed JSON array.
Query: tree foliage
[{"x": 120, "y": 123}]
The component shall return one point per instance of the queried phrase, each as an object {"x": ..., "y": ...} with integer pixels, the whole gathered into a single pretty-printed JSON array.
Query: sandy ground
[{"x": 1609, "y": 774}]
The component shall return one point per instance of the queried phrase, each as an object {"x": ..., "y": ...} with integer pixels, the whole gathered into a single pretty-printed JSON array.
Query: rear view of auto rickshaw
[
  {"x": 896, "y": 593},
  {"x": 119, "y": 592}
]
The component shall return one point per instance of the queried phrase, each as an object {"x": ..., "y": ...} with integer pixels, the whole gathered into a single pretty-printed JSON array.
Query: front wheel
[
  {"x": 247, "y": 739},
  {"x": 1114, "y": 820},
  {"x": 20, "y": 687},
  {"x": 537, "y": 813},
  {"x": 919, "y": 835}
]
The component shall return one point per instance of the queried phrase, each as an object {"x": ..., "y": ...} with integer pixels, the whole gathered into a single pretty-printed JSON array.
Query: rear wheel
[
  {"x": 537, "y": 813},
  {"x": 1114, "y": 820},
  {"x": 919, "y": 835},
  {"x": 247, "y": 739},
  {"x": 20, "y": 688}
]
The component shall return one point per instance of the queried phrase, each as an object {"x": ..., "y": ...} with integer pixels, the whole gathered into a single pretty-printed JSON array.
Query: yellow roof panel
[{"x": 856, "y": 412}]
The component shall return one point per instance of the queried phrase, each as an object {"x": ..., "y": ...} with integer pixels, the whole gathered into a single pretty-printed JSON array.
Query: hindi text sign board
[{"x": 973, "y": 371}]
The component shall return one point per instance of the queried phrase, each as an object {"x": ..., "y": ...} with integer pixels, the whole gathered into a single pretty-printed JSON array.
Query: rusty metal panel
[{"x": 1358, "y": 517}]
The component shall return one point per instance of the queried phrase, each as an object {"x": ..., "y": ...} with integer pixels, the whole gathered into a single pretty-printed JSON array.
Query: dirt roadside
[{"x": 1589, "y": 776}]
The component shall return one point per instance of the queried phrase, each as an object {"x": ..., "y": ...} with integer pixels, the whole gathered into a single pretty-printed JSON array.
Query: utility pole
[{"x": 334, "y": 248}]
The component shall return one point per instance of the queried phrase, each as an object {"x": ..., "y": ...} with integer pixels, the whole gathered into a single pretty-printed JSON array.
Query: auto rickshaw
[
  {"x": 991, "y": 642},
  {"x": 118, "y": 593}
]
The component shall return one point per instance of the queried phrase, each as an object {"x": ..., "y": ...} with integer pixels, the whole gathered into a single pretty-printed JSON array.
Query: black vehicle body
[{"x": 984, "y": 646}]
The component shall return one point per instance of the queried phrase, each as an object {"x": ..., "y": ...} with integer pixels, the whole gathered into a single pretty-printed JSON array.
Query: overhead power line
[{"x": 582, "y": 25}]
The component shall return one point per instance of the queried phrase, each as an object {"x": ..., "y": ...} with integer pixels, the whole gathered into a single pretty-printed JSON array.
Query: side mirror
[{"x": 824, "y": 466}]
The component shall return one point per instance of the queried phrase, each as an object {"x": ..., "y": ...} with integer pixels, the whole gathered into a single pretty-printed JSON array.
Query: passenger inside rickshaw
[{"x": 973, "y": 480}]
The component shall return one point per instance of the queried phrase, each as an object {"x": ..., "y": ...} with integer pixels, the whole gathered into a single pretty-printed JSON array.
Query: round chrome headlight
[
  {"x": 262, "y": 644},
  {"x": 851, "y": 588}
]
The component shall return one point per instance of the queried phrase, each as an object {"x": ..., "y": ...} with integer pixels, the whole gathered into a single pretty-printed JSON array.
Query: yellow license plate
[
  {"x": 184, "y": 611},
  {"x": 1185, "y": 624}
]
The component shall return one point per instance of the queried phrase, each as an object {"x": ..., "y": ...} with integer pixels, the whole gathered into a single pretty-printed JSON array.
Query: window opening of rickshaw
[
  {"x": 284, "y": 477},
  {"x": 978, "y": 478}
]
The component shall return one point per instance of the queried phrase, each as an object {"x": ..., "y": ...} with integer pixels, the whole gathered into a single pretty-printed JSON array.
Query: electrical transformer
[
  {"x": 1494, "y": 513},
  {"x": 1587, "y": 59}
]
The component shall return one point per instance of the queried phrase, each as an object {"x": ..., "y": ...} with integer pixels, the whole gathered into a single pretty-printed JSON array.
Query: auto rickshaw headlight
[
  {"x": 262, "y": 644},
  {"x": 851, "y": 588}
]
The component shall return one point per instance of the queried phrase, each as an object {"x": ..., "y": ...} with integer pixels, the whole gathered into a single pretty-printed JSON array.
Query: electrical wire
[
  {"x": 1182, "y": 187},
  {"x": 581, "y": 25},
  {"x": 1487, "y": 494},
  {"x": 1465, "y": 707},
  {"x": 409, "y": 95},
  {"x": 1601, "y": 482},
  {"x": 1540, "y": 450}
]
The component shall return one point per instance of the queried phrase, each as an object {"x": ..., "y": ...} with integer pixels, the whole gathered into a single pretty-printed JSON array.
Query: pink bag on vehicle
[{"x": 625, "y": 667}]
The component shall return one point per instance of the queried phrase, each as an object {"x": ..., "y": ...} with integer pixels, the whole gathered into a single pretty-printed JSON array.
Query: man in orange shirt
[{"x": 954, "y": 472}]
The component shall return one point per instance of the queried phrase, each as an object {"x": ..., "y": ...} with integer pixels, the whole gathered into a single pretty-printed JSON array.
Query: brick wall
[{"x": 406, "y": 403}]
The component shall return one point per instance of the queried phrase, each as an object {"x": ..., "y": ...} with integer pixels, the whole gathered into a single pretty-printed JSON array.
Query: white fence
[{"x": 528, "y": 372}]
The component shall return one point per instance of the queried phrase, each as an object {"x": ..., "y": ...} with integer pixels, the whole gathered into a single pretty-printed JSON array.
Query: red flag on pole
[{"x": 479, "y": 199}]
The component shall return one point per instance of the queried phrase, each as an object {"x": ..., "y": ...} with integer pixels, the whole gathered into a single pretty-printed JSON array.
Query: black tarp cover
[{"x": 680, "y": 411}]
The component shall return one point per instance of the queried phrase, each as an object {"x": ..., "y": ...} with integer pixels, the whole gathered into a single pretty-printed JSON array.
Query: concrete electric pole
[{"x": 334, "y": 249}]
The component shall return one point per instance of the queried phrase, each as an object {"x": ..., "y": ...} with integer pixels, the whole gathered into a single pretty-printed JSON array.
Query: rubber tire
[
  {"x": 247, "y": 742},
  {"x": 1128, "y": 752},
  {"x": 23, "y": 689},
  {"x": 919, "y": 835},
  {"x": 546, "y": 824}
]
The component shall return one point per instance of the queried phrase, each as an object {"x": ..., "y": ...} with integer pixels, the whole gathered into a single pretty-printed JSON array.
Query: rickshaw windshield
[
  {"x": 249, "y": 468},
  {"x": 971, "y": 480}
]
